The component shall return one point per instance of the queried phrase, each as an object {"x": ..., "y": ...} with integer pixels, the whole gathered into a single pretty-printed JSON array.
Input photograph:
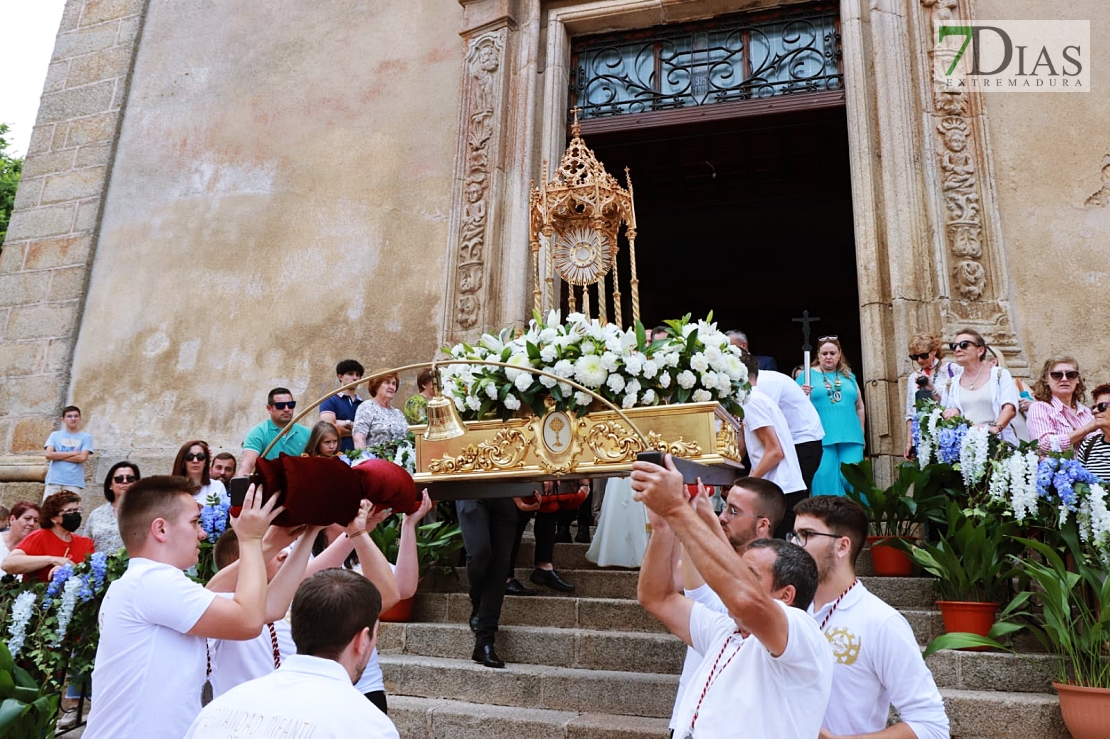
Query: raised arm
[
  {"x": 656, "y": 590},
  {"x": 280, "y": 591},
  {"x": 408, "y": 561}
]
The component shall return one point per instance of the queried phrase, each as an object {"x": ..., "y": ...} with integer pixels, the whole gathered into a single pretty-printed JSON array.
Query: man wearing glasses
[
  {"x": 878, "y": 662},
  {"x": 280, "y": 405}
]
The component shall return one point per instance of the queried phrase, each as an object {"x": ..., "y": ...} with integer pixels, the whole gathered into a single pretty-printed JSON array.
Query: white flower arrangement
[
  {"x": 694, "y": 363},
  {"x": 65, "y": 609},
  {"x": 22, "y": 610},
  {"x": 927, "y": 441},
  {"x": 974, "y": 451},
  {"x": 1014, "y": 483}
]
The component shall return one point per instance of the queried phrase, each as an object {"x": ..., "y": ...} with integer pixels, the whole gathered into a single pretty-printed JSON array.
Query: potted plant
[
  {"x": 972, "y": 561},
  {"x": 1070, "y": 620},
  {"x": 436, "y": 547},
  {"x": 27, "y": 710},
  {"x": 895, "y": 512}
]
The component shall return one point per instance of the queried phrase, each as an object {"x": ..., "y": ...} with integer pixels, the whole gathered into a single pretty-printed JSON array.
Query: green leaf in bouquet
[{"x": 641, "y": 335}]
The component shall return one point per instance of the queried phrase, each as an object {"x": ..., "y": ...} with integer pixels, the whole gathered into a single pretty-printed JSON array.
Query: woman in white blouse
[{"x": 972, "y": 388}]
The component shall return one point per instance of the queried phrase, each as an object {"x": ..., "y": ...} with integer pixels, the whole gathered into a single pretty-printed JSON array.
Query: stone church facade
[{"x": 223, "y": 197}]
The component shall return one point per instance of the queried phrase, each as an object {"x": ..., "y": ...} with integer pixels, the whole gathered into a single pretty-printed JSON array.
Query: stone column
[
  {"x": 477, "y": 213},
  {"x": 46, "y": 260}
]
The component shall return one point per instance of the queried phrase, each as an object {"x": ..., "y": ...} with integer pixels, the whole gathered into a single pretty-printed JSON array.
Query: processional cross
[{"x": 805, "y": 320}]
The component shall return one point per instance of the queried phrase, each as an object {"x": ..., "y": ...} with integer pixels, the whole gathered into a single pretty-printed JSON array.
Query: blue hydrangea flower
[
  {"x": 213, "y": 519},
  {"x": 949, "y": 442},
  {"x": 56, "y": 584}
]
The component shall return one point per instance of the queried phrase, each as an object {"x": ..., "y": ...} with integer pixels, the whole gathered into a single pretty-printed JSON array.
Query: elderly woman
[
  {"x": 22, "y": 520},
  {"x": 1094, "y": 451},
  {"x": 376, "y": 421},
  {"x": 1058, "y": 420},
  {"x": 839, "y": 402},
  {"x": 971, "y": 387},
  {"x": 194, "y": 461},
  {"x": 55, "y": 544},
  {"x": 926, "y": 351},
  {"x": 103, "y": 528}
]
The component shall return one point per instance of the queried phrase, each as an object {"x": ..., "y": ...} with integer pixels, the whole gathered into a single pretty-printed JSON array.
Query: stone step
[
  {"x": 974, "y": 714},
  {"x": 623, "y": 651},
  {"x": 432, "y": 718},
  {"x": 599, "y": 614},
  {"x": 531, "y": 686},
  {"x": 992, "y": 671},
  {"x": 573, "y": 557},
  {"x": 900, "y": 592}
]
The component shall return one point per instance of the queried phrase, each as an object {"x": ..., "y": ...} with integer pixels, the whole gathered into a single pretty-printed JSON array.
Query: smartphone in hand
[{"x": 237, "y": 491}]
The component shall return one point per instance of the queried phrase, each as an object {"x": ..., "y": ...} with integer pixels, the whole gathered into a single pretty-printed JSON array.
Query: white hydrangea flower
[
  {"x": 565, "y": 389},
  {"x": 698, "y": 362},
  {"x": 709, "y": 380},
  {"x": 632, "y": 386},
  {"x": 549, "y": 353},
  {"x": 634, "y": 363},
  {"x": 628, "y": 401},
  {"x": 491, "y": 390},
  {"x": 686, "y": 379},
  {"x": 665, "y": 380},
  {"x": 650, "y": 369},
  {"x": 524, "y": 381},
  {"x": 564, "y": 368},
  {"x": 581, "y": 398},
  {"x": 648, "y": 397},
  {"x": 615, "y": 382},
  {"x": 671, "y": 359},
  {"x": 473, "y": 403},
  {"x": 609, "y": 361},
  {"x": 512, "y": 402},
  {"x": 701, "y": 396},
  {"x": 589, "y": 371},
  {"x": 547, "y": 382},
  {"x": 713, "y": 354}
]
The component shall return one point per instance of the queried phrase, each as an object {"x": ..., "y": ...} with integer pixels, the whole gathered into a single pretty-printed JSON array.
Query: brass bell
[{"x": 443, "y": 418}]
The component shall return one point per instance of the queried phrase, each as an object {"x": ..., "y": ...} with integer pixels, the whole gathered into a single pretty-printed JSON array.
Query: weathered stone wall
[
  {"x": 279, "y": 200},
  {"x": 52, "y": 237},
  {"x": 1049, "y": 151}
]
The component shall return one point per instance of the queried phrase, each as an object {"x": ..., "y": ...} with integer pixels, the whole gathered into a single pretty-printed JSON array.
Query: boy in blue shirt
[{"x": 67, "y": 450}]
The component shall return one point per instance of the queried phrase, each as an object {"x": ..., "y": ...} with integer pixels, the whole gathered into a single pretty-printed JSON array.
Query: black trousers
[
  {"x": 488, "y": 528},
  {"x": 809, "y": 459},
  {"x": 544, "y": 530}
]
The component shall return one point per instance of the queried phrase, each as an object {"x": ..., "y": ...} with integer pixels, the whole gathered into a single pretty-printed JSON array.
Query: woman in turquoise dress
[{"x": 839, "y": 402}]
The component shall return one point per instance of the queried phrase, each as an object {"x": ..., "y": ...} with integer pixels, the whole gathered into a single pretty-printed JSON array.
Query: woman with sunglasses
[
  {"x": 102, "y": 527},
  {"x": 1058, "y": 420},
  {"x": 193, "y": 461},
  {"x": 1094, "y": 451},
  {"x": 376, "y": 421},
  {"x": 926, "y": 351},
  {"x": 839, "y": 403},
  {"x": 971, "y": 387}
]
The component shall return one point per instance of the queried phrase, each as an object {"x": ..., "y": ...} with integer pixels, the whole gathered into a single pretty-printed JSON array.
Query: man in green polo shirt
[{"x": 280, "y": 405}]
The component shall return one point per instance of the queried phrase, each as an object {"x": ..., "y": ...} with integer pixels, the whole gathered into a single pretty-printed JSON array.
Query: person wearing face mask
[{"x": 55, "y": 544}]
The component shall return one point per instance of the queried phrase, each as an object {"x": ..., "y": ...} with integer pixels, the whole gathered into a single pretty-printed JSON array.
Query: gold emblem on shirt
[{"x": 845, "y": 645}]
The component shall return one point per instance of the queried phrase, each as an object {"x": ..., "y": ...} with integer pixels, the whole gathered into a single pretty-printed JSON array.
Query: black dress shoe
[
  {"x": 562, "y": 536},
  {"x": 551, "y": 579},
  {"x": 474, "y": 620},
  {"x": 583, "y": 535},
  {"x": 515, "y": 588},
  {"x": 486, "y": 655}
]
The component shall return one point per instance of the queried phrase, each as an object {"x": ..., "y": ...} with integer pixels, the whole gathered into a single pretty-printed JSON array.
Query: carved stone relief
[{"x": 481, "y": 119}]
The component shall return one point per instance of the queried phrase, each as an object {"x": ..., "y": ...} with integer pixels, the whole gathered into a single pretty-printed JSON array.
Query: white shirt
[
  {"x": 760, "y": 412},
  {"x": 214, "y": 487},
  {"x": 708, "y": 598},
  {"x": 149, "y": 672},
  {"x": 237, "y": 662},
  {"x": 307, "y": 696},
  {"x": 878, "y": 664},
  {"x": 1003, "y": 391},
  {"x": 801, "y": 417},
  {"x": 782, "y": 697}
]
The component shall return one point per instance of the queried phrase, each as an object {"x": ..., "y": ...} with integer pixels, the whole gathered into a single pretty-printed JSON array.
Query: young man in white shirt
[
  {"x": 150, "y": 662},
  {"x": 765, "y": 663},
  {"x": 878, "y": 662},
  {"x": 335, "y": 624},
  {"x": 801, "y": 417},
  {"x": 770, "y": 446}
]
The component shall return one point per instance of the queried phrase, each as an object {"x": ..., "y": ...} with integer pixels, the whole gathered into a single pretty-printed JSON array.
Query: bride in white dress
[{"x": 622, "y": 534}]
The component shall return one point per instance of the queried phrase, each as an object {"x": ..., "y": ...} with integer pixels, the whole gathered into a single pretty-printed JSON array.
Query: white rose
[
  {"x": 491, "y": 390},
  {"x": 665, "y": 379},
  {"x": 613, "y": 344},
  {"x": 609, "y": 361},
  {"x": 672, "y": 359},
  {"x": 615, "y": 383},
  {"x": 459, "y": 403},
  {"x": 473, "y": 403},
  {"x": 712, "y": 353},
  {"x": 686, "y": 379},
  {"x": 709, "y": 380},
  {"x": 547, "y": 381},
  {"x": 633, "y": 386},
  {"x": 698, "y": 362},
  {"x": 634, "y": 363},
  {"x": 628, "y": 401},
  {"x": 700, "y": 396},
  {"x": 649, "y": 397},
  {"x": 564, "y": 368},
  {"x": 512, "y": 402},
  {"x": 651, "y": 368},
  {"x": 582, "y": 398},
  {"x": 548, "y": 353},
  {"x": 523, "y": 382},
  {"x": 565, "y": 389}
]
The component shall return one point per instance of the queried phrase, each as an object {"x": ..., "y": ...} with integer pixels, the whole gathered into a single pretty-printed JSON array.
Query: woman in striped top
[
  {"x": 1059, "y": 420},
  {"x": 1094, "y": 451}
]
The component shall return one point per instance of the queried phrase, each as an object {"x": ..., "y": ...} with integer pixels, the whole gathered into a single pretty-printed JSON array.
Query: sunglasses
[
  {"x": 925, "y": 355},
  {"x": 962, "y": 344},
  {"x": 124, "y": 478},
  {"x": 1101, "y": 407},
  {"x": 834, "y": 337},
  {"x": 198, "y": 457},
  {"x": 282, "y": 405},
  {"x": 1070, "y": 374}
]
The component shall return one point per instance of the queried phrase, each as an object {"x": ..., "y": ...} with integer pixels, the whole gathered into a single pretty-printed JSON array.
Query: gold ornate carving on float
[
  {"x": 563, "y": 443},
  {"x": 575, "y": 220}
]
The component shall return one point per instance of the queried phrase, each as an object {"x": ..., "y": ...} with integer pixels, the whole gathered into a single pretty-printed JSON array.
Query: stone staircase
[{"x": 593, "y": 664}]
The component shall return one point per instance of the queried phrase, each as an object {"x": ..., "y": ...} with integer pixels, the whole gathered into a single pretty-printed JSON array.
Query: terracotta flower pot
[
  {"x": 968, "y": 616},
  {"x": 888, "y": 560},
  {"x": 1086, "y": 710},
  {"x": 399, "y": 613}
]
